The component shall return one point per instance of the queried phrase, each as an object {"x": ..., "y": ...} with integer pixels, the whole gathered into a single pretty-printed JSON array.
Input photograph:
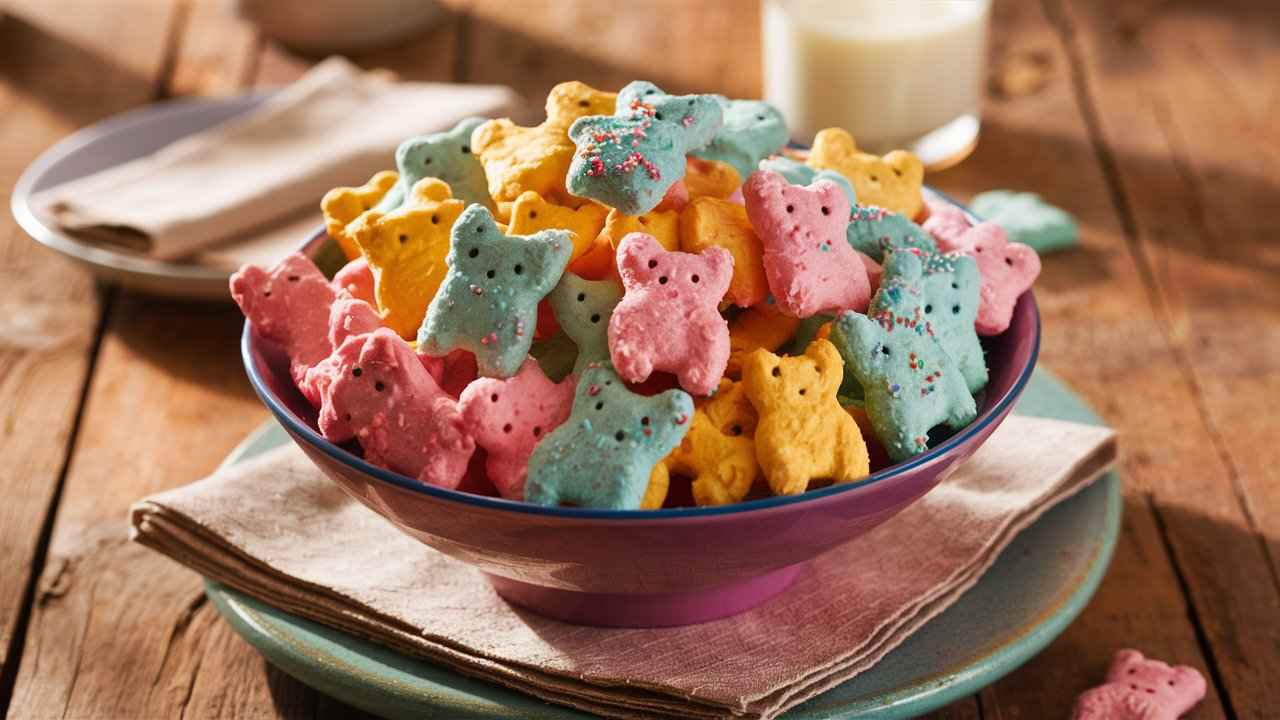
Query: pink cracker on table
[
  {"x": 395, "y": 409},
  {"x": 507, "y": 418},
  {"x": 288, "y": 307},
  {"x": 1008, "y": 270},
  {"x": 668, "y": 317},
  {"x": 810, "y": 266},
  {"x": 356, "y": 279},
  {"x": 1142, "y": 689}
]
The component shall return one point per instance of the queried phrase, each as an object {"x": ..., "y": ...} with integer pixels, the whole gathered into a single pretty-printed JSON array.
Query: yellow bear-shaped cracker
[
  {"x": 891, "y": 182},
  {"x": 663, "y": 225},
  {"x": 656, "y": 492},
  {"x": 532, "y": 213},
  {"x": 706, "y": 222},
  {"x": 518, "y": 158},
  {"x": 762, "y": 326},
  {"x": 803, "y": 434},
  {"x": 718, "y": 452},
  {"x": 342, "y": 205},
  {"x": 710, "y": 178},
  {"x": 406, "y": 250}
]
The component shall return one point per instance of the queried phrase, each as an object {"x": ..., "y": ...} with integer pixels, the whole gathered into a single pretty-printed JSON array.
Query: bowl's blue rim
[{"x": 297, "y": 428}]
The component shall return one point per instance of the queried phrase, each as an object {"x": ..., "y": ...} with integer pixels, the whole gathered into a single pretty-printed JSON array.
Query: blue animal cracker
[
  {"x": 873, "y": 231},
  {"x": 797, "y": 173},
  {"x": 753, "y": 130},
  {"x": 937, "y": 297},
  {"x": 700, "y": 116},
  {"x": 583, "y": 308},
  {"x": 630, "y": 160},
  {"x": 909, "y": 383},
  {"x": 488, "y": 301},
  {"x": 603, "y": 455},
  {"x": 444, "y": 155},
  {"x": 1027, "y": 218}
]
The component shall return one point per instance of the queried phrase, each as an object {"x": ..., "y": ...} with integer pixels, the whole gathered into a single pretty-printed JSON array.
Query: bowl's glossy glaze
[{"x": 645, "y": 568}]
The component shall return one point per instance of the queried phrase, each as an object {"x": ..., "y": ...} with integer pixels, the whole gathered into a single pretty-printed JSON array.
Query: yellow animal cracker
[
  {"x": 531, "y": 213},
  {"x": 891, "y": 182},
  {"x": 762, "y": 326},
  {"x": 718, "y": 452},
  {"x": 656, "y": 493},
  {"x": 342, "y": 205},
  {"x": 663, "y": 225},
  {"x": 518, "y": 158},
  {"x": 406, "y": 250},
  {"x": 706, "y": 222},
  {"x": 710, "y": 178},
  {"x": 803, "y": 434}
]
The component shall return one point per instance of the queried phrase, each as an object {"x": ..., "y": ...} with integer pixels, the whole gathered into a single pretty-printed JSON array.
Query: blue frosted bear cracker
[
  {"x": 602, "y": 456},
  {"x": 874, "y": 231},
  {"x": 909, "y": 383},
  {"x": 488, "y": 300},
  {"x": 583, "y": 308},
  {"x": 630, "y": 159},
  {"x": 938, "y": 297},
  {"x": 444, "y": 155},
  {"x": 701, "y": 116},
  {"x": 753, "y": 130}
]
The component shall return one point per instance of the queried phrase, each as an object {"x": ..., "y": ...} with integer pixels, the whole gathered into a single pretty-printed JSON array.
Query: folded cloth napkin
[
  {"x": 337, "y": 125},
  {"x": 276, "y": 529}
]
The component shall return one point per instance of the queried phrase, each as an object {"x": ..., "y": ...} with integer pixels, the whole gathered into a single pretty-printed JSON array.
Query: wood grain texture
[
  {"x": 217, "y": 53},
  {"x": 58, "y": 71},
  {"x": 1183, "y": 101},
  {"x": 116, "y": 630}
]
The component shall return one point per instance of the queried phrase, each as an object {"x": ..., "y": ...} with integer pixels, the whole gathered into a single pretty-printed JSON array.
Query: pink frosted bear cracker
[
  {"x": 385, "y": 397},
  {"x": 1008, "y": 269},
  {"x": 1141, "y": 689},
  {"x": 667, "y": 318},
  {"x": 288, "y": 307},
  {"x": 357, "y": 279},
  {"x": 810, "y": 266},
  {"x": 509, "y": 417}
]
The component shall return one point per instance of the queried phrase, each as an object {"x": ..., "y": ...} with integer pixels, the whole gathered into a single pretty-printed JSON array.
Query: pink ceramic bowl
[{"x": 644, "y": 568}]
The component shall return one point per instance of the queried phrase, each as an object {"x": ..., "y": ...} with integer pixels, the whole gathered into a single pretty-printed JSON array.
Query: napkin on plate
[
  {"x": 276, "y": 529},
  {"x": 245, "y": 179}
]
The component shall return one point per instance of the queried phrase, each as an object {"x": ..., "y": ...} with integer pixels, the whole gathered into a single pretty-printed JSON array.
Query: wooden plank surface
[
  {"x": 60, "y": 69},
  {"x": 116, "y": 630},
  {"x": 1184, "y": 105},
  {"x": 1126, "y": 130}
]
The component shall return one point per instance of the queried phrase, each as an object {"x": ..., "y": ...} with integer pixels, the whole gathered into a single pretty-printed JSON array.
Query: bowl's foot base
[{"x": 664, "y": 610}]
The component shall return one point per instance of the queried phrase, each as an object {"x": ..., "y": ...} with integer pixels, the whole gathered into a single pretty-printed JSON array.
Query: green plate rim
[{"x": 264, "y": 627}]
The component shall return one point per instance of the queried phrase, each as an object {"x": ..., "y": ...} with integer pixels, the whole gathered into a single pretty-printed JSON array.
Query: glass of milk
[{"x": 895, "y": 73}]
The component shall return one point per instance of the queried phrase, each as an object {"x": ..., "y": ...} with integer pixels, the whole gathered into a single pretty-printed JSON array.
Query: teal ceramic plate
[{"x": 1036, "y": 588}]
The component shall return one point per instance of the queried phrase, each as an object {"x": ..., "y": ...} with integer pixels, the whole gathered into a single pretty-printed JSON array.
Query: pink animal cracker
[
  {"x": 668, "y": 318},
  {"x": 808, "y": 262},
  {"x": 946, "y": 222},
  {"x": 1008, "y": 270},
  {"x": 383, "y": 395},
  {"x": 453, "y": 372},
  {"x": 1141, "y": 689},
  {"x": 356, "y": 279},
  {"x": 348, "y": 317},
  {"x": 288, "y": 307},
  {"x": 508, "y": 418}
]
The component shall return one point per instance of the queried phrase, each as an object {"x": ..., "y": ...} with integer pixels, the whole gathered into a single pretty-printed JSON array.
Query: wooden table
[{"x": 1153, "y": 122}]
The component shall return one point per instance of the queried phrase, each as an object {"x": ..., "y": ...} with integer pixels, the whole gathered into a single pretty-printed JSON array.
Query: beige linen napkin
[
  {"x": 276, "y": 529},
  {"x": 247, "y": 178}
]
